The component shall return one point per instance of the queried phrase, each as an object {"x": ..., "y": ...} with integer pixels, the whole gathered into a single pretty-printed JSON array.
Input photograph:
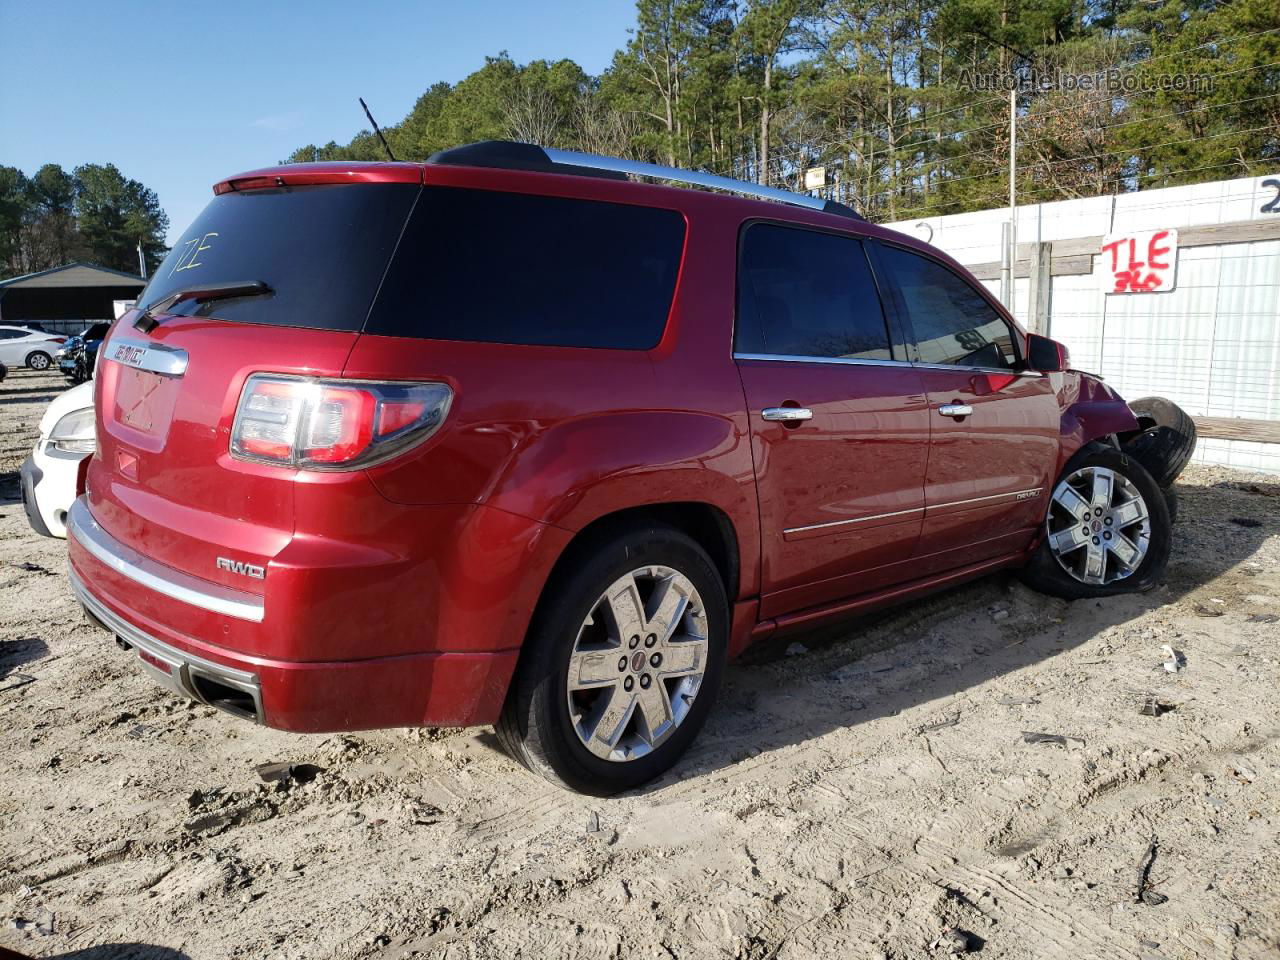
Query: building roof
[{"x": 75, "y": 275}]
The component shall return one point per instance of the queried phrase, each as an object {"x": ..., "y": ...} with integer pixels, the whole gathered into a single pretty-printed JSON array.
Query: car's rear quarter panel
[{"x": 565, "y": 436}]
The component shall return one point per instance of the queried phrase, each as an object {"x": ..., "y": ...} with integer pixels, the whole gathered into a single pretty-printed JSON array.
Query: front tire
[
  {"x": 622, "y": 663},
  {"x": 1107, "y": 530},
  {"x": 39, "y": 360}
]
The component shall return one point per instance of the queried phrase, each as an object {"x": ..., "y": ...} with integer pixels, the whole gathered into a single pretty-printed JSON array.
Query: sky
[{"x": 181, "y": 94}]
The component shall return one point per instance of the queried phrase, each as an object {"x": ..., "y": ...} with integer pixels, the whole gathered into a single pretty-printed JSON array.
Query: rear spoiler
[{"x": 315, "y": 174}]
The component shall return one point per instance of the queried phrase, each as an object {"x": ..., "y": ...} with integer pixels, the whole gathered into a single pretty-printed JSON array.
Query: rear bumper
[
  {"x": 236, "y": 691},
  {"x": 124, "y": 592}
]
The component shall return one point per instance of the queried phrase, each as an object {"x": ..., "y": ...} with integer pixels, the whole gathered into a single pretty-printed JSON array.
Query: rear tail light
[{"x": 333, "y": 424}]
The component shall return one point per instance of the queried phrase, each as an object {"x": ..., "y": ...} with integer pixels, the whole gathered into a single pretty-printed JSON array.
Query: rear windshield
[
  {"x": 498, "y": 267},
  {"x": 322, "y": 250}
]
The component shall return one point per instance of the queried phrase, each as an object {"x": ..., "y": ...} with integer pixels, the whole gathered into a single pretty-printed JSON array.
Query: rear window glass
[
  {"x": 512, "y": 268},
  {"x": 322, "y": 250},
  {"x": 807, "y": 294}
]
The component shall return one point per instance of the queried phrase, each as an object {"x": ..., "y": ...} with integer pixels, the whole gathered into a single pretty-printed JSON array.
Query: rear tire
[
  {"x": 1105, "y": 505},
  {"x": 560, "y": 723},
  {"x": 1167, "y": 441},
  {"x": 39, "y": 360}
]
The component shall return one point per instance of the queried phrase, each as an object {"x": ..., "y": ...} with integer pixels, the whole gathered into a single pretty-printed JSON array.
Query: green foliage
[
  {"x": 94, "y": 213},
  {"x": 875, "y": 91}
]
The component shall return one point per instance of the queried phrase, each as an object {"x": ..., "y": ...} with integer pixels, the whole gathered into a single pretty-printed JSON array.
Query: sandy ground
[{"x": 866, "y": 794}]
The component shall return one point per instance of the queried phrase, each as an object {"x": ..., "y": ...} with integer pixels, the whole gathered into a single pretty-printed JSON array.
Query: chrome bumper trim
[
  {"x": 172, "y": 668},
  {"x": 156, "y": 576}
]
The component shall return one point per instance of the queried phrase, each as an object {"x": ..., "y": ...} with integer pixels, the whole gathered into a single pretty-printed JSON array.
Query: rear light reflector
[{"x": 333, "y": 424}]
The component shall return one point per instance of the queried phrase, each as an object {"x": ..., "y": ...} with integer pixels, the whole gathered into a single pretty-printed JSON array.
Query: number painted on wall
[{"x": 1272, "y": 205}]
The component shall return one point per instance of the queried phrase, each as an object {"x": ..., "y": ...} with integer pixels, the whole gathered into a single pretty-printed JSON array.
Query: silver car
[{"x": 23, "y": 347}]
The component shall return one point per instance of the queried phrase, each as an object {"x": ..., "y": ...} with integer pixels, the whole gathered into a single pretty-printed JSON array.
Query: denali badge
[{"x": 244, "y": 569}]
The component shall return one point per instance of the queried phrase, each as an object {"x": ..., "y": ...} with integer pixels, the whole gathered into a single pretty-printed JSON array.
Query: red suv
[{"x": 510, "y": 438}]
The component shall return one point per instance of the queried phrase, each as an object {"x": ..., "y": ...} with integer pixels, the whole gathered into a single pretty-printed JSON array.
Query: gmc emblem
[
  {"x": 244, "y": 569},
  {"x": 129, "y": 354}
]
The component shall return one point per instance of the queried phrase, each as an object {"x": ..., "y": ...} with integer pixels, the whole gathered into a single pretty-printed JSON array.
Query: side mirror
[{"x": 1045, "y": 355}]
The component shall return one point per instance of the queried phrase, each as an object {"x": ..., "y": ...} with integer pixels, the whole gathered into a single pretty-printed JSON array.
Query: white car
[
  {"x": 48, "y": 477},
  {"x": 22, "y": 347}
]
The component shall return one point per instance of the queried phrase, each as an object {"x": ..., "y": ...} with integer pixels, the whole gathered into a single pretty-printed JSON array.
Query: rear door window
[
  {"x": 497, "y": 267},
  {"x": 802, "y": 293},
  {"x": 953, "y": 323},
  {"x": 321, "y": 249}
]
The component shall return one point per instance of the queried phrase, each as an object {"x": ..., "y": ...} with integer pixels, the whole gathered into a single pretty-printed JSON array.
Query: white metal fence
[{"x": 1212, "y": 344}]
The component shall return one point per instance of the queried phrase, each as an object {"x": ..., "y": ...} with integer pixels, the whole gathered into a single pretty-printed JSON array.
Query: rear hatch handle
[{"x": 146, "y": 321}]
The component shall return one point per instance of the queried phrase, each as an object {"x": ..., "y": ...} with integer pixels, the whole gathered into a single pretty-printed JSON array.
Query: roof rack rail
[{"x": 526, "y": 156}]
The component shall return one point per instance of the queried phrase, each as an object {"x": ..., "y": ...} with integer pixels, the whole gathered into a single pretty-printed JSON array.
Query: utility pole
[
  {"x": 1013, "y": 195},
  {"x": 142, "y": 261}
]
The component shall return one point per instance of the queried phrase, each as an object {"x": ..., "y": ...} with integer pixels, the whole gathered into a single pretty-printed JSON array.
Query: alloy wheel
[
  {"x": 1098, "y": 526},
  {"x": 637, "y": 663},
  {"x": 39, "y": 362}
]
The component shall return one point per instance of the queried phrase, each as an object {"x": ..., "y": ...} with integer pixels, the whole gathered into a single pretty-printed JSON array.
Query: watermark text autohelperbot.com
[{"x": 1102, "y": 81}]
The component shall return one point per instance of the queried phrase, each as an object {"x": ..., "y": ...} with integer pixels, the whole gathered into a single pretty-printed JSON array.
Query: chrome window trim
[
  {"x": 858, "y": 361},
  {"x": 155, "y": 576},
  {"x": 153, "y": 357},
  {"x": 1018, "y": 494},
  {"x": 956, "y": 366},
  {"x": 849, "y": 361}
]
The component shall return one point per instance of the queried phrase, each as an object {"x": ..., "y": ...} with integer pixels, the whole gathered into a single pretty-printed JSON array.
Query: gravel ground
[{"x": 869, "y": 792}]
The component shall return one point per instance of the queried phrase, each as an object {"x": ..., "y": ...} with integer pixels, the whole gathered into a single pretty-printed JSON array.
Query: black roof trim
[
  {"x": 510, "y": 155},
  {"x": 840, "y": 210}
]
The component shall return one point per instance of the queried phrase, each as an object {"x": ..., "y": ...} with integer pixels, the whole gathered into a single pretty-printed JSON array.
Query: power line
[
  {"x": 1035, "y": 163},
  {"x": 1107, "y": 126},
  {"x": 1130, "y": 177},
  {"x": 1156, "y": 146},
  {"x": 1114, "y": 66},
  {"x": 818, "y": 148}
]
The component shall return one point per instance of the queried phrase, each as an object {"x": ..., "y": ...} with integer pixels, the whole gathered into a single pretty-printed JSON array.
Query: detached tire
[
  {"x": 1167, "y": 441},
  {"x": 1107, "y": 531},
  {"x": 622, "y": 663}
]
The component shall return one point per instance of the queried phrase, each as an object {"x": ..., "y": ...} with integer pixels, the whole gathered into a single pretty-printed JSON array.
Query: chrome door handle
[
  {"x": 787, "y": 414},
  {"x": 955, "y": 410}
]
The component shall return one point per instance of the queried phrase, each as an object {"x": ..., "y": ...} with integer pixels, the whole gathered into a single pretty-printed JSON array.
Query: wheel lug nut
[
  {"x": 633, "y": 642},
  {"x": 622, "y": 664},
  {"x": 655, "y": 660},
  {"x": 650, "y": 640},
  {"x": 1107, "y": 521},
  {"x": 628, "y": 683},
  {"x": 1106, "y": 535},
  {"x": 1097, "y": 511},
  {"x": 1096, "y": 541},
  {"x": 645, "y": 681}
]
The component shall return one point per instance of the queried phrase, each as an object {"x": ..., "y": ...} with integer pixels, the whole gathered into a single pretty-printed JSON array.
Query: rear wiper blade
[{"x": 147, "y": 322}]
